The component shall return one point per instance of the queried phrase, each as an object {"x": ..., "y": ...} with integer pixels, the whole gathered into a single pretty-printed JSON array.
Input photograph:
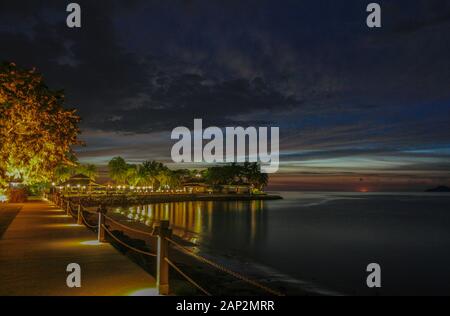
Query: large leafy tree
[
  {"x": 36, "y": 132},
  {"x": 247, "y": 173}
]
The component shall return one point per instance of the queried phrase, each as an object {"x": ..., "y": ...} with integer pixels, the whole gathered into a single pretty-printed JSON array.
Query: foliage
[
  {"x": 234, "y": 174},
  {"x": 36, "y": 132},
  {"x": 118, "y": 170},
  {"x": 88, "y": 170},
  {"x": 64, "y": 172},
  {"x": 157, "y": 175},
  {"x": 17, "y": 195}
]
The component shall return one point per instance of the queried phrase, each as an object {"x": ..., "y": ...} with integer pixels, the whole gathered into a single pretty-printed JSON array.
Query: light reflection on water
[
  {"x": 199, "y": 221},
  {"x": 327, "y": 238}
]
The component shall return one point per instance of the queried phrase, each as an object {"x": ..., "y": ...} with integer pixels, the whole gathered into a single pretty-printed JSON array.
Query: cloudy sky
[{"x": 358, "y": 108}]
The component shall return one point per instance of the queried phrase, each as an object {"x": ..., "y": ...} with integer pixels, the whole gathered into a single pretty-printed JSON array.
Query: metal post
[
  {"x": 79, "y": 219},
  {"x": 162, "y": 269},
  {"x": 101, "y": 229},
  {"x": 68, "y": 208}
]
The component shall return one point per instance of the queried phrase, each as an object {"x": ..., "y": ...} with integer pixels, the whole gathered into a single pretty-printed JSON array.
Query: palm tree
[
  {"x": 63, "y": 173},
  {"x": 151, "y": 171},
  {"x": 163, "y": 177},
  {"x": 132, "y": 175},
  {"x": 118, "y": 170},
  {"x": 88, "y": 170}
]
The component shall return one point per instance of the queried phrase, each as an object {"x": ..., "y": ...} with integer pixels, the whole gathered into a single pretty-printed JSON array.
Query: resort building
[{"x": 80, "y": 183}]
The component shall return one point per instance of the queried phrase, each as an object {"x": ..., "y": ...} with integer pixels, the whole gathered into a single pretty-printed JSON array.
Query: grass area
[{"x": 7, "y": 215}]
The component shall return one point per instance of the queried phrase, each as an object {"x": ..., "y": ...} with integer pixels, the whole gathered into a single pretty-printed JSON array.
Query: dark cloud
[
  {"x": 311, "y": 67},
  {"x": 177, "y": 101},
  {"x": 143, "y": 66}
]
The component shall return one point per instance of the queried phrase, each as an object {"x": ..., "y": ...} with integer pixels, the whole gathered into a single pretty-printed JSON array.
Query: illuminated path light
[
  {"x": 92, "y": 243},
  {"x": 40, "y": 243},
  {"x": 62, "y": 226},
  {"x": 145, "y": 292}
]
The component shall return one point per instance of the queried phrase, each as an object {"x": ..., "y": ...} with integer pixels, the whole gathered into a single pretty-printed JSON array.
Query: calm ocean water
[{"x": 324, "y": 239}]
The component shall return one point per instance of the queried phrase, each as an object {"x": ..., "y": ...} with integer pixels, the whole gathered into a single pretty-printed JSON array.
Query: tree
[
  {"x": 152, "y": 170},
  {"x": 36, "y": 132},
  {"x": 248, "y": 173},
  {"x": 88, "y": 170},
  {"x": 132, "y": 177},
  {"x": 252, "y": 175},
  {"x": 118, "y": 170},
  {"x": 63, "y": 173}
]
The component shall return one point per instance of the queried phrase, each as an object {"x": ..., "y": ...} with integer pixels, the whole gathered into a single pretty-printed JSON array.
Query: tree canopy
[
  {"x": 235, "y": 174},
  {"x": 157, "y": 175},
  {"x": 36, "y": 132}
]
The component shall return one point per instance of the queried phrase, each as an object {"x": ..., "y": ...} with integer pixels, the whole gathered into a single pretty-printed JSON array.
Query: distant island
[{"x": 441, "y": 188}]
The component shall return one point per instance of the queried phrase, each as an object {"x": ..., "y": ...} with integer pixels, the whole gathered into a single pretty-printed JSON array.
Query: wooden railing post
[
  {"x": 162, "y": 269},
  {"x": 68, "y": 208},
  {"x": 101, "y": 222},
  {"x": 79, "y": 216}
]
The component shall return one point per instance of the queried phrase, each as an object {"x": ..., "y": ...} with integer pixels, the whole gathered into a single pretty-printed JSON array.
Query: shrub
[{"x": 17, "y": 195}]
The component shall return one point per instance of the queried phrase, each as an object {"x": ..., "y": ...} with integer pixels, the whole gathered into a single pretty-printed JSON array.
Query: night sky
[{"x": 358, "y": 108}]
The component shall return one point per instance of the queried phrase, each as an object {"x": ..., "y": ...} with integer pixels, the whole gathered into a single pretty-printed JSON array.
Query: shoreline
[
  {"x": 126, "y": 200},
  {"x": 215, "y": 281}
]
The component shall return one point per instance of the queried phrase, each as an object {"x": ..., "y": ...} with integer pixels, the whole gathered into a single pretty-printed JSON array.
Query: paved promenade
[{"x": 41, "y": 241}]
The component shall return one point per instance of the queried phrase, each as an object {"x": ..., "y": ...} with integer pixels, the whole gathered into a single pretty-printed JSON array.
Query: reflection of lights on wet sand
[{"x": 145, "y": 292}]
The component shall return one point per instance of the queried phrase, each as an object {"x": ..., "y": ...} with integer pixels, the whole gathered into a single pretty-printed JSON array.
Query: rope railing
[
  {"x": 223, "y": 269},
  {"x": 71, "y": 211},
  {"x": 129, "y": 228},
  {"x": 70, "y": 205},
  {"x": 128, "y": 246},
  {"x": 162, "y": 255},
  {"x": 189, "y": 279},
  {"x": 86, "y": 222}
]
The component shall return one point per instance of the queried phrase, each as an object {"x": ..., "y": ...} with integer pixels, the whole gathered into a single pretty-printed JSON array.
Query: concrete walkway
[{"x": 39, "y": 244}]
